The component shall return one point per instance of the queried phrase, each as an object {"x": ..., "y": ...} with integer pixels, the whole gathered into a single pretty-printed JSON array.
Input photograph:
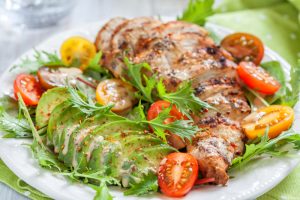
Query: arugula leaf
[
  {"x": 41, "y": 58},
  {"x": 137, "y": 113},
  {"x": 88, "y": 107},
  {"x": 46, "y": 158},
  {"x": 15, "y": 128},
  {"x": 182, "y": 128},
  {"x": 9, "y": 105},
  {"x": 197, "y": 11},
  {"x": 27, "y": 116},
  {"x": 267, "y": 146},
  {"x": 102, "y": 192},
  {"x": 95, "y": 70},
  {"x": 148, "y": 184},
  {"x": 183, "y": 98},
  {"x": 136, "y": 78}
]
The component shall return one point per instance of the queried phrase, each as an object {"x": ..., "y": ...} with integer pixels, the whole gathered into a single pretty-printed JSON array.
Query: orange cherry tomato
[
  {"x": 29, "y": 88},
  {"x": 257, "y": 78},
  {"x": 277, "y": 117},
  {"x": 177, "y": 174},
  {"x": 244, "y": 47}
]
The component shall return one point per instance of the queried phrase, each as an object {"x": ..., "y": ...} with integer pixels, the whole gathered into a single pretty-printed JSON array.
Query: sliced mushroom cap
[{"x": 50, "y": 77}]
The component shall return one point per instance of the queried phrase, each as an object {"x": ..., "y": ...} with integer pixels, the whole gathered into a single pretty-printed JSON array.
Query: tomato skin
[
  {"x": 159, "y": 106},
  {"x": 77, "y": 48},
  {"x": 204, "y": 181},
  {"x": 257, "y": 78},
  {"x": 29, "y": 88},
  {"x": 156, "y": 108},
  {"x": 244, "y": 47},
  {"x": 117, "y": 92},
  {"x": 177, "y": 174},
  {"x": 277, "y": 117}
]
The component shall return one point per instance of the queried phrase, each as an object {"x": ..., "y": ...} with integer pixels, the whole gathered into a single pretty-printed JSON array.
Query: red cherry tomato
[
  {"x": 204, "y": 181},
  {"x": 156, "y": 108},
  {"x": 177, "y": 174},
  {"x": 160, "y": 105},
  {"x": 257, "y": 78},
  {"x": 29, "y": 88},
  {"x": 244, "y": 47}
]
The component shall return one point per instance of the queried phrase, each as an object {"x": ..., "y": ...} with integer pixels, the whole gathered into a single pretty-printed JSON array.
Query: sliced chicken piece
[
  {"x": 217, "y": 146},
  {"x": 177, "y": 58},
  {"x": 124, "y": 39},
  {"x": 213, "y": 154},
  {"x": 137, "y": 27},
  {"x": 104, "y": 35},
  {"x": 225, "y": 95},
  {"x": 172, "y": 28},
  {"x": 180, "y": 27}
]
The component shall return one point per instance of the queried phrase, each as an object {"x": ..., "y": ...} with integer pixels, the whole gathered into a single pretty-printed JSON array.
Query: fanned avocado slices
[{"x": 107, "y": 144}]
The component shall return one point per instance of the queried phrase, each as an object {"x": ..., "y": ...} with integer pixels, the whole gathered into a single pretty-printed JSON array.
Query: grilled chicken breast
[{"x": 179, "y": 51}]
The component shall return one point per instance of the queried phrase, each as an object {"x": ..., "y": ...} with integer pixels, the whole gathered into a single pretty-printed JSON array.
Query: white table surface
[{"x": 15, "y": 43}]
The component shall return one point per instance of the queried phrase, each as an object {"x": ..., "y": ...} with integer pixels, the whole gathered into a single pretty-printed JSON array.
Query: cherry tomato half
[
  {"x": 29, "y": 88},
  {"x": 244, "y": 47},
  {"x": 116, "y": 92},
  {"x": 257, "y": 78},
  {"x": 277, "y": 117},
  {"x": 177, "y": 174},
  {"x": 77, "y": 49},
  {"x": 175, "y": 114}
]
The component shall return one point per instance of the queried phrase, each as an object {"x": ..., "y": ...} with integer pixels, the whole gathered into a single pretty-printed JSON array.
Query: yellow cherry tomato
[
  {"x": 116, "y": 92},
  {"x": 78, "y": 49},
  {"x": 278, "y": 118}
]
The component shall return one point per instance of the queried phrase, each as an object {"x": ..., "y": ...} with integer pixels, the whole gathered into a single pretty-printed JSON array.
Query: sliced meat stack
[{"x": 178, "y": 51}]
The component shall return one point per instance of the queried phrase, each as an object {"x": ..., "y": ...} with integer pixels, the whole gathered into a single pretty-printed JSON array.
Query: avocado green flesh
[
  {"x": 47, "y": 103},
  {"x": 70, "y": 125},
  {"x": 54, "y": 118},
  {"x": 107, "y": 144}
]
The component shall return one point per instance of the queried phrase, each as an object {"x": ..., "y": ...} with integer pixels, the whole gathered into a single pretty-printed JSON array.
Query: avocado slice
[
  {"x": 85, "y": 128},
  {"x": 54, "y": 118},
  {"x": 47, "y": 103}
]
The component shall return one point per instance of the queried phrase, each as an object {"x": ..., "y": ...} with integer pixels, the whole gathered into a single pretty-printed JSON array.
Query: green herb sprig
[
  {"x": 87, "y": 105},
  {"x": 267, "y": 146},
  {"x": 183, "y": 98},
  {"x": 197, "y": 11},
  {"x": 40, "y": 58},
  {"x": 136, "y": 78}
]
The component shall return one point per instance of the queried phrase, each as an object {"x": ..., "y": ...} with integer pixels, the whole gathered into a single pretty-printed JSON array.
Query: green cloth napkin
[
  {"x": 9, "y": 178},
  {"x": 276, "y": 22}
]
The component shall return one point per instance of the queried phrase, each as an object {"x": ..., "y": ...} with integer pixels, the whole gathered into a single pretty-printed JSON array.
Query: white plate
[{"x": 249, "y": 183}]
